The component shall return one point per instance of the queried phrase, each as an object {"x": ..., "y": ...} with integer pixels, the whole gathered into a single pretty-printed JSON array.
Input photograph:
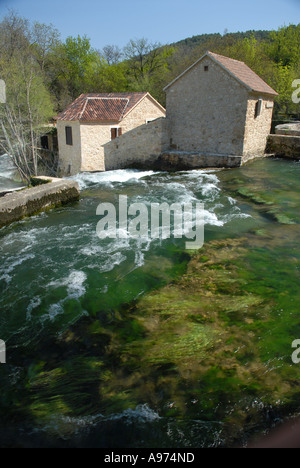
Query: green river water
[{"x": 134, "y": 343}]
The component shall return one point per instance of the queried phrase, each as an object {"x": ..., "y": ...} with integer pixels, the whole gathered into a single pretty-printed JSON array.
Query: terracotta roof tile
[{"x": 101, "y": 107}]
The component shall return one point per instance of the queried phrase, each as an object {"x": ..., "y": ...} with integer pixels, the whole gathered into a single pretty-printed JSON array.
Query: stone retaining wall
[
  {"x": 284, "y": 146},
  {"x": 15, "y": 206},
  {"x": 139, "y": 147}
]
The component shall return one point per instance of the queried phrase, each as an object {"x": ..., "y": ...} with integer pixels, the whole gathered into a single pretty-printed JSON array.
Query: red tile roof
[
  {"x": 101, "y": 107},
  {"x": 239, "y": 70}
]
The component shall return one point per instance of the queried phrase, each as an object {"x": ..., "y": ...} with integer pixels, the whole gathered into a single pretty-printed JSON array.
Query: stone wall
[
  {"x": 211, "y": 112},
  {"x": 207, "y": 111},
  {"x": 181, "y": 160},
  {"x": 139, "y": 147},
  {"x": 17, "y": 205},
  {"x": 284, "y": 146},
  {"x": 257, "y": 128},
  {"x": 93, "y": 135},
  {"x": 69, "y": 155},
  {"x": 148, "y": 109}
]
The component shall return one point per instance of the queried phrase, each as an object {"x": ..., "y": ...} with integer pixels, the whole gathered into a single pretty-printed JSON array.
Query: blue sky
[{"x": 166, "y": 21}]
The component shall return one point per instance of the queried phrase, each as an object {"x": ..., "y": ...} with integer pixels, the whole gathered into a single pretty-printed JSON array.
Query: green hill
[{"x": 201, "y": 39}]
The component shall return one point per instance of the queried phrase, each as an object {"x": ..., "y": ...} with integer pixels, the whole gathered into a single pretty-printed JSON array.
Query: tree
[
  {"x": 44, "y": 39},
  {"x": 284, "y": 45},
  {"x": 112, "y": 54},
  {"x": 28, "y": 106},
  {"x": 80, "y": 59},
  {"x": 105, "y": 78},
  {"x": 143, "y": 57},
  {"x": 14, "y": 36},
  {"x": 147, "y": 66}
]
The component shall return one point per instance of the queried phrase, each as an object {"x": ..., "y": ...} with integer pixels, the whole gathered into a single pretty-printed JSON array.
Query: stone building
[
  {"x": 219, "y": 114},
  {"x": 219, "y": 107},
  {"x": 93, "y": 120}
]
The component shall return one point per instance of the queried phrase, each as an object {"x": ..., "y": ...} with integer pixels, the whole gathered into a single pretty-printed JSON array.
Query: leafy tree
[
  {"x": 79, "y": 59},
  {"x": 105, "y": 78},
  {"x": 284, "y": 45}
]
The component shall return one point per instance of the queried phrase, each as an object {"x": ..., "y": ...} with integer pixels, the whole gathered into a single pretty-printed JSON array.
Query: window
[
  {"x": 258, "y": 108},
  {"x": 69, "y": 138},
  {"x": 205, "y": 67},
  {"x": 115, "y": 132}
]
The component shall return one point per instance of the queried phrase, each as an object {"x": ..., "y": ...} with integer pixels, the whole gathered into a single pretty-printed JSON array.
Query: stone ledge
[{"x": 17, "y": 205}]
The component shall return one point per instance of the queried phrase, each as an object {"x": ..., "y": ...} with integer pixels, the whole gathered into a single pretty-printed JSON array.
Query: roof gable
[
  {"x": 101, "y": 107},
  {"x": 238, "y": 70}
]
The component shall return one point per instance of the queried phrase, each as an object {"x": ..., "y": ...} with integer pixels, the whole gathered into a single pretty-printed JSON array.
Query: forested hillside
[
  {"x": 43, "y": 73},
  {"x": 203, "y": 38}
]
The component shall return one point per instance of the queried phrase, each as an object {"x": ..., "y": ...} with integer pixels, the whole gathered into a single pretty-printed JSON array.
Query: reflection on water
[{"x": 128, "y": 343}]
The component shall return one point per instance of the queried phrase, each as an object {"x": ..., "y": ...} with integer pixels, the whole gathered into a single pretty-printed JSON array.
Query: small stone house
[
  {"x": 93, "y": 120},
  {"x": 219, "y": 106}
]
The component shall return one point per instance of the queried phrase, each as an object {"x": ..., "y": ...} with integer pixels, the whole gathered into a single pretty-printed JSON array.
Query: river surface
[{"x": 87, "y": 364}]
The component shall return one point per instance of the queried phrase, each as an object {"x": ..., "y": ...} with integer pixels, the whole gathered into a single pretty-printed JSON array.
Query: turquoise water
[{"x": 72, "y": 332}]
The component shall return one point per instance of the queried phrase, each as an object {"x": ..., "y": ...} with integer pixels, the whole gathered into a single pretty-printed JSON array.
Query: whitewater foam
[
  {"x": 88, "y": 179},
  {"x": 7, "y": 269},
  {"x": 34, "y": 303},
  {"x": 74, "y": 283},
  {"x": 141, "y": 413}
]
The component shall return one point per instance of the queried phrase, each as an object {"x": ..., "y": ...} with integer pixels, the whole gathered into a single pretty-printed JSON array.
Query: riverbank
[{"x": 19, "y": 204}]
